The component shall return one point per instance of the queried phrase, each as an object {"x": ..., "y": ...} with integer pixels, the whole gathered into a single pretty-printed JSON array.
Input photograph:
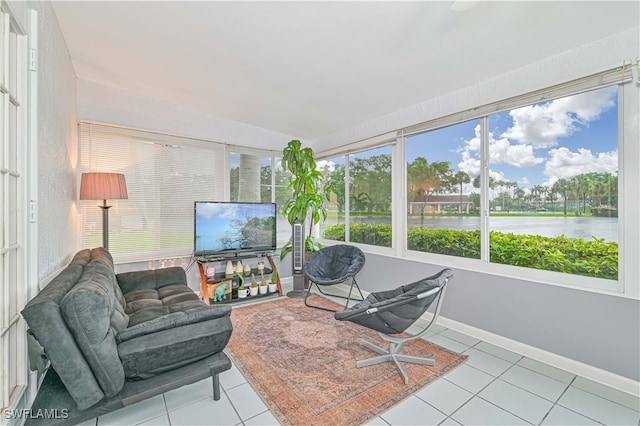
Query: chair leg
[
  {"x": 392, "y": 355},
  {"x": 216, "y": 387},
  {"x": 348, "y": 298},
  {"x": 311, "y": 284}
]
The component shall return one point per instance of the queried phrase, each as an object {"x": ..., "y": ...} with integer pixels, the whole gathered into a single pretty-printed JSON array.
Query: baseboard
[{"x": 587, "y": 371}]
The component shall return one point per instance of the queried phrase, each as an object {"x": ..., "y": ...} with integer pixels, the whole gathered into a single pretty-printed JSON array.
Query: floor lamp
[{"x": 103, "y": 186}]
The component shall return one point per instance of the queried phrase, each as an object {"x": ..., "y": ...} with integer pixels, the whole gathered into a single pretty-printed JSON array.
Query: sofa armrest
[
  {"x": 151, "y": 279},
  {"x": 173, "y": 320}
]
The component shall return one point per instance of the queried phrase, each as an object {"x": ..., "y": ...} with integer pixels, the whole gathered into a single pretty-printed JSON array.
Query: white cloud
[
  {"x": 565, "y": 164},
  {"x": 541, "y": 125},
  {"x": 500, "y": 151}
]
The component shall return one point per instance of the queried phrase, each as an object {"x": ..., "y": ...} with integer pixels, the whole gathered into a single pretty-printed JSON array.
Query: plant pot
[
  {"x": 263, "y": 289},
  {"x": 253, "y": 291},
  {"x": 242, "y": 293},
  {"x": 273, "y": 288}
]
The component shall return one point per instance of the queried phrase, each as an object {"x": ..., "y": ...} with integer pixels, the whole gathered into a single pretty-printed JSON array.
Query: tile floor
[{"x": 494, "y": 387}]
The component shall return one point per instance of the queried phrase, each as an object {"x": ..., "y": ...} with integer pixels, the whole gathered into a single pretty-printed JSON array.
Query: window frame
[{"x": 628, "y": 178}]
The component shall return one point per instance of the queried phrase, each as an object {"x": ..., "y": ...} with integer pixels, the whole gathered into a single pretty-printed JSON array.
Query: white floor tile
[
  {"x": 517, "y": 401},
  {"x": 246, "y": 401},
  {"x": 264, "y": 419},
  {"x": 560, "y": 416},
  {"x": 498, "y": 351},
  {"x": 413, "y": 411},
  {"x": 449, "y": 422},
  {"x": 533, "y": 382},
  {"x": 136, "y": 413},
  {"x": 445, "y": 342},
  {"x": 187, "y": 395},
  {"x": 444, "y": 395},
  {"x": 460, "y": 337},
  {"x": 598, "y": 408},
  {"x": 547, "y": 370},
  {"x": 162, "y": 420},
  {"x": 606, "y": 392},
  {"x": 231, "y": 378},
  {"x": 480, "y": 412},
  {"x": 469, "y": 378},
  {"x": 488, "y": 363},
  {"x": 205, "y": 412}
]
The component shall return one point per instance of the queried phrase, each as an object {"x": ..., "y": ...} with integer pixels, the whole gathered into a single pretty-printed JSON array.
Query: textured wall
[{"x": 57, "y": 146}]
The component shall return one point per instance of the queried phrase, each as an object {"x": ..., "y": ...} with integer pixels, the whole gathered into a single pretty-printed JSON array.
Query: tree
[
  {"x": 428, "y": 178},
  {"x": 563, "y": 187},
  {"x": 459, "y": 179},
  {"x": 335, "y": 184}
]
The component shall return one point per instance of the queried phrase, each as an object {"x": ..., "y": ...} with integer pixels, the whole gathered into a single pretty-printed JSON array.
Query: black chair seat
[
  {"x": 391, "y": 312},
  {"x": 334, "y": 265}
]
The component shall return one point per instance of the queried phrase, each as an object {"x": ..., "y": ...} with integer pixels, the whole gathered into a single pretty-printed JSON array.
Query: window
[
  {"x": 367, "y": 207},
  {"x": 553, "y": 179},
  {"x": 443, "y": 191},
  {"x": 251, "y": 179},
  {"x": 12, "y": 203},
  {"x": 164, "y": 175},
  {"x": 534, "y": 186}
]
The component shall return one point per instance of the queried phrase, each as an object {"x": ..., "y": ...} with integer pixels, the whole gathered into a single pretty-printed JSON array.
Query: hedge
[{"x": 594, "y": 258}]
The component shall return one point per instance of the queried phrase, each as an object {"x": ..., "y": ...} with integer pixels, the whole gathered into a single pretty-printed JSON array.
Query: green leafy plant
[
  {"x": 594, "y": 258},
  {"x": 306, "y": 203},
  {"x": 274, "y": 276},
  {"x": 254, "y": 282}
]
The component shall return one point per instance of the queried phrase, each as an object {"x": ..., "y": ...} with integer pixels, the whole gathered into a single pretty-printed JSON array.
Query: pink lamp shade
[{"x": 103, "y": 186}]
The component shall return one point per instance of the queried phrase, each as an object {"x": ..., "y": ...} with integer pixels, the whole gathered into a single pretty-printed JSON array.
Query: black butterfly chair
[
  {"x": 334, "y": 265},
  {"x": 392, "y": 311}
]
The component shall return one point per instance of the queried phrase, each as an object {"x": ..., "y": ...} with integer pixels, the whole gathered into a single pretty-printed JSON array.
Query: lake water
[{"x": 585, "y": 227}]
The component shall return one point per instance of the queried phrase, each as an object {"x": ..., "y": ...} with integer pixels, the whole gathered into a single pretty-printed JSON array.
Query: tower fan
[{"x": 297, "y": 262}]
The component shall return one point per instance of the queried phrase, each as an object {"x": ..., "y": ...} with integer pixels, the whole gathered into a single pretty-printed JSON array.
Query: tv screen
[{"x": 229, "y": 228}]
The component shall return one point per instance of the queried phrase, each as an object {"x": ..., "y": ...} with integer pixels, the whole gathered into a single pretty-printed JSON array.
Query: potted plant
[
  {"x": 253, "y": 290},
  {"x": 242, "y": 291},
  {"x": 263, "y": 285},
  {"x": 273, "y": 285},
  {"x": 307, "y": 200}
]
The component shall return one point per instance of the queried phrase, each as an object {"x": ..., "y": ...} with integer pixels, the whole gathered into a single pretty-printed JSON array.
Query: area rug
[{"x": 302, "y": 362}]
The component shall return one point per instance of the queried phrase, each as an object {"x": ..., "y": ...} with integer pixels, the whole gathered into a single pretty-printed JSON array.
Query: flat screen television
[{"x": 230, "y": 229}]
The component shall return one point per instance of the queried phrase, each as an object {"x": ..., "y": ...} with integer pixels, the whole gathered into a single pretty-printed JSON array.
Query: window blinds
[{"x": 165, "y": 175}]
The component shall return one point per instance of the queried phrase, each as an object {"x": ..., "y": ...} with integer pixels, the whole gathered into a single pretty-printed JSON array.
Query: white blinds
[{"x": 165, "y": 175}]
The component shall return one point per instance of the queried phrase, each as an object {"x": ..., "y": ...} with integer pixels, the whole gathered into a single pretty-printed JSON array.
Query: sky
[
  {"x": 533, "y": 145},
  {"x": 212, "y": 220}
]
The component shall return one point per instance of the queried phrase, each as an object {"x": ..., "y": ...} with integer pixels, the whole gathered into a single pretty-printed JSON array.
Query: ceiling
[{"x": 310, "y": 69}]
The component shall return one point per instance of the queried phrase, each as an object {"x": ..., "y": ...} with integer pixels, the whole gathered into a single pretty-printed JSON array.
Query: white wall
[
  {"x": 109, "y": 105},
  {"x": 57, "y": 146}
]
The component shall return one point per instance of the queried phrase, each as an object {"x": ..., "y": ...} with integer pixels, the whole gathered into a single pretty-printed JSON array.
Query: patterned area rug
[{"x": 303, "y": 363}]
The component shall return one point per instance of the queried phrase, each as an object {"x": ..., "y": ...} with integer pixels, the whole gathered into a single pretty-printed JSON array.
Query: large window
[
  {"x": 164, "y": 176},
  {"x": 553, "y": 180},
  {"x": 534, "y": 186},
  {"x": 366, "y": 210},
  {"x": 13, "y": 141},
  {"x": 443, "y": 191}
]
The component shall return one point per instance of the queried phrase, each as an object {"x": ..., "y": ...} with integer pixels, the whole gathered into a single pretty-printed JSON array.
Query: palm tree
[
  {"x": 461, "y": 178},
  {"x": 563, "y": 187}
]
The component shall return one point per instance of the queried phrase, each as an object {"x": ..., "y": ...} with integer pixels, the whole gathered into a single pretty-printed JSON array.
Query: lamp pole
[{"x": 105, "y": 224}]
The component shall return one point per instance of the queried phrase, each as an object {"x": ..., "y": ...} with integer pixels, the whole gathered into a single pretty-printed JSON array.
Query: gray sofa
[{"x": 113, "y": 340}]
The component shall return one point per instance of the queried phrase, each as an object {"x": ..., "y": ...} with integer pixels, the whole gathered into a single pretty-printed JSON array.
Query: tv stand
[{"x": 208, "y": 285}]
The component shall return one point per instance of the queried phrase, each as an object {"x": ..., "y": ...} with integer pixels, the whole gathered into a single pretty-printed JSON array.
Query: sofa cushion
[
  {"x": 150, "y": 354},
  {"x": 90, "y": 311},
  {"x": 45, "y": 321}
]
